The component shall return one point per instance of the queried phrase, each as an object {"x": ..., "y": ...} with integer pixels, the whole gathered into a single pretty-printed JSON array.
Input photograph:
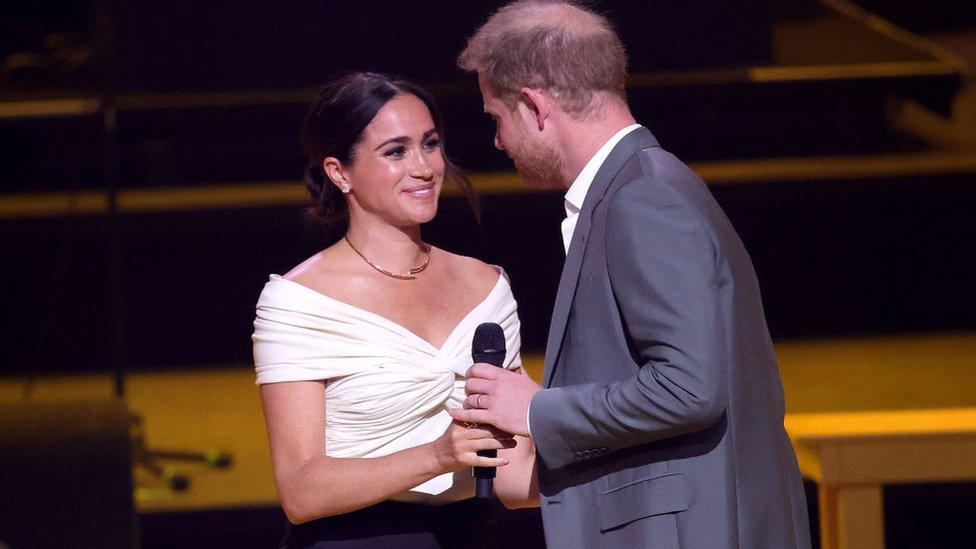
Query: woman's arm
[
  {"x": 516, "y": 485},
  {"x": 311, "y": 485}
]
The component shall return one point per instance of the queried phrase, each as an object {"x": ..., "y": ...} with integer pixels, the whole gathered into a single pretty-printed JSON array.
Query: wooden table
[{"x": 851, "y": 455}]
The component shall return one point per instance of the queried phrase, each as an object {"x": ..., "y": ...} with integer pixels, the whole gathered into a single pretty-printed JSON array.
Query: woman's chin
[
  {"x": 412, "y": 218},
  {"x": 421, "y": 212},
  {"x": 427, "y": 217}
]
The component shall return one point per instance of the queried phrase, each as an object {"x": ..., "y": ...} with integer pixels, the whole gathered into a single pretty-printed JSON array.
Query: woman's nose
[{"x": 420, "y": 168}]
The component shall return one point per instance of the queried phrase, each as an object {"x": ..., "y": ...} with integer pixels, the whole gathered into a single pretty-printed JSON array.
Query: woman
[{"x": 361, "y": 349}]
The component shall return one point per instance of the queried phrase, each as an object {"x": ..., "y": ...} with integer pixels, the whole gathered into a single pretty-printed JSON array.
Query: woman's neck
[{"x": 399, "y": 248}]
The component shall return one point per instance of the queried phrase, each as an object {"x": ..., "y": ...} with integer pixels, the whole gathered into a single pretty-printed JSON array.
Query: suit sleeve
[{"x": 662, "y": 264}]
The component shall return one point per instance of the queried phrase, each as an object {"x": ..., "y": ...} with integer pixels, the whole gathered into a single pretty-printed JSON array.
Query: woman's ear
[
  {"x": 336, "y": 173},
  {"x": 539, "y": 104}
]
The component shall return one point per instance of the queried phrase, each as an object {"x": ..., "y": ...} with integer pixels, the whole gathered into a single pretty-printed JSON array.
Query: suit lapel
[{"x": 638, "y": 139}]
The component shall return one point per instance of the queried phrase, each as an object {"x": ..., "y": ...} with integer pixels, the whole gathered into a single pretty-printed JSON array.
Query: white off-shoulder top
[{"x": 389, "y": 389}]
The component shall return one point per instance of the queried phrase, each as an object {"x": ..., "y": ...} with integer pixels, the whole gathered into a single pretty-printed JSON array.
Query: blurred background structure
[{"x": 150, "y": 184}]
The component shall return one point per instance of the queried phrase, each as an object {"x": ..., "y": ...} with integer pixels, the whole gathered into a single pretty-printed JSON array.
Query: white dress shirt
[
  {"x": 577, "y": 191},
  {"x": 575, "y": 196}
]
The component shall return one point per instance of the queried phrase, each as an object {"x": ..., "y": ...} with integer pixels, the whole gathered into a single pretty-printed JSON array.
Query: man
[{"x": 660, "y": 423}]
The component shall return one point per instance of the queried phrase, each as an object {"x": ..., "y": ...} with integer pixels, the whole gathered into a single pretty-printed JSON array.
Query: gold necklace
[{"x": 409, "y": 275}]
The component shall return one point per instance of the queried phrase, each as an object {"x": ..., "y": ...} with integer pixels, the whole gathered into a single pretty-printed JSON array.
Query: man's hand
[{"x": 498, "y": 397}]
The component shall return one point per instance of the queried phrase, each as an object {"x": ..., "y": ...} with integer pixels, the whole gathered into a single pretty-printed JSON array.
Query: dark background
[
  {"x": 834, "y": 256},
  {"x": 842, "y": 255}
]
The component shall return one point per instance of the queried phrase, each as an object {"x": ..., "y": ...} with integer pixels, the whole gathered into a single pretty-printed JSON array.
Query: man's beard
[{"x": 539, "y": 166}]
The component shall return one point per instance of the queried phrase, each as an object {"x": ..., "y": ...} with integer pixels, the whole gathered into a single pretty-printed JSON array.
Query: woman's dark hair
[{"x": 335, "y": 125}]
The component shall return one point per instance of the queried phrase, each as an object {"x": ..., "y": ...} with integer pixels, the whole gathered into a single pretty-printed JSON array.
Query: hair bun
[{"x": 314, "y": 181}]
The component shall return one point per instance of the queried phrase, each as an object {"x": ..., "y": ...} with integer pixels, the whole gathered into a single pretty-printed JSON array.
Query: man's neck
[{"x": 585, "y": 137}]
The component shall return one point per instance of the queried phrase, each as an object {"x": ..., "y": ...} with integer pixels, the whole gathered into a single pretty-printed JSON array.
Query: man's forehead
[
  {"x": 484, "y": 87},
  {"x": 487, "y": 97}
]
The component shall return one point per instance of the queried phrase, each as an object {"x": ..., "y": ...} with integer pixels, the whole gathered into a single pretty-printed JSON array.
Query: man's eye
[{"x": 395, "y": 151}]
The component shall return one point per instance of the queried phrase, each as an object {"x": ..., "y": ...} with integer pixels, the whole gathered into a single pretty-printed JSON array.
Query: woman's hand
[{"x": 457, "y": 448}]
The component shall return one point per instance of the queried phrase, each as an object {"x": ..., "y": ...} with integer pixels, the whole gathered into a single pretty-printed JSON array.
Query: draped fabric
[{"x": 389, "y": 389}]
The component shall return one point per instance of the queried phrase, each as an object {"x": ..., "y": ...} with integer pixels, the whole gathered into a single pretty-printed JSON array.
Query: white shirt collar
[{"x": 577, "y": 191}]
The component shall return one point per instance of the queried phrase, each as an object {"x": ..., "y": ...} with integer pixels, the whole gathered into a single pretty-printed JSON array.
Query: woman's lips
[{"x": 421, "y": 192}]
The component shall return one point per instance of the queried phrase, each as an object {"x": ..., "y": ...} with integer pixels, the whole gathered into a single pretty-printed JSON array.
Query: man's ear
[{"x": 539, "y": 103}]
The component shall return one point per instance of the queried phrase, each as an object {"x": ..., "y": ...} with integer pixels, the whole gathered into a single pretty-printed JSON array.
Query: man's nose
[{"x": 498, "y": 142}]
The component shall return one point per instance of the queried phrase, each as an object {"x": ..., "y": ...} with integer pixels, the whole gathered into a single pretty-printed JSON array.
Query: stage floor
[{"x": 220, "y": 408}]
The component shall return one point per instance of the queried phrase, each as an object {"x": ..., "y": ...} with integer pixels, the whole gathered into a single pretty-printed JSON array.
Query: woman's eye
[
  {"x": 432, "y": 143},
  {"x": 395, "y": 152}
]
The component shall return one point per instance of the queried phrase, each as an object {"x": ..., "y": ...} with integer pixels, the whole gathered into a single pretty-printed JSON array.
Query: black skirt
[{"x": 468, "y": 524}]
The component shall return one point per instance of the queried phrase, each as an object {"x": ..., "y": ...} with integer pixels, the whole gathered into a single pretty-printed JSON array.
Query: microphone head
[{"x": 488, "y": 344}]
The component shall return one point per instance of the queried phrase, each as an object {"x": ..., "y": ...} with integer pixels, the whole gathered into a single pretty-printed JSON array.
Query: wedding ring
[{"x": 477, "y": 402}]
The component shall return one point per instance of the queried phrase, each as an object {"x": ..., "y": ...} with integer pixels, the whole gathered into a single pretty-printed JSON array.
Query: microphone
[{"x": 488, "y": 346}]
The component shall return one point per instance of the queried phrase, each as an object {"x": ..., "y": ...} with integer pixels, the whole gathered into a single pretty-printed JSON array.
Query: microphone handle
[
  {"x": 483, "y": 477},
  {"x": 484, "y": 488}
]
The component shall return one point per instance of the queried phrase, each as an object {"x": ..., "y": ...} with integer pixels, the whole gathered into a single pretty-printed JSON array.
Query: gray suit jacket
[{"x": 661, "y": 421}]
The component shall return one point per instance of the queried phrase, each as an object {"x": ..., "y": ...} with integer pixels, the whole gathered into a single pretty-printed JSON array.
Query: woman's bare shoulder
[
  {"x": 474, "y": 271},
  {"x": 327, "y": 265}
]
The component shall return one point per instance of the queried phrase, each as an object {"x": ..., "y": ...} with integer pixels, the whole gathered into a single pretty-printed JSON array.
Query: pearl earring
[{"x": 345, "y": 187}]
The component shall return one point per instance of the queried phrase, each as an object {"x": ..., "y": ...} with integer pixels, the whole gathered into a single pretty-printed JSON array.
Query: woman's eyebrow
[{"x": 401, "y": 140}]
